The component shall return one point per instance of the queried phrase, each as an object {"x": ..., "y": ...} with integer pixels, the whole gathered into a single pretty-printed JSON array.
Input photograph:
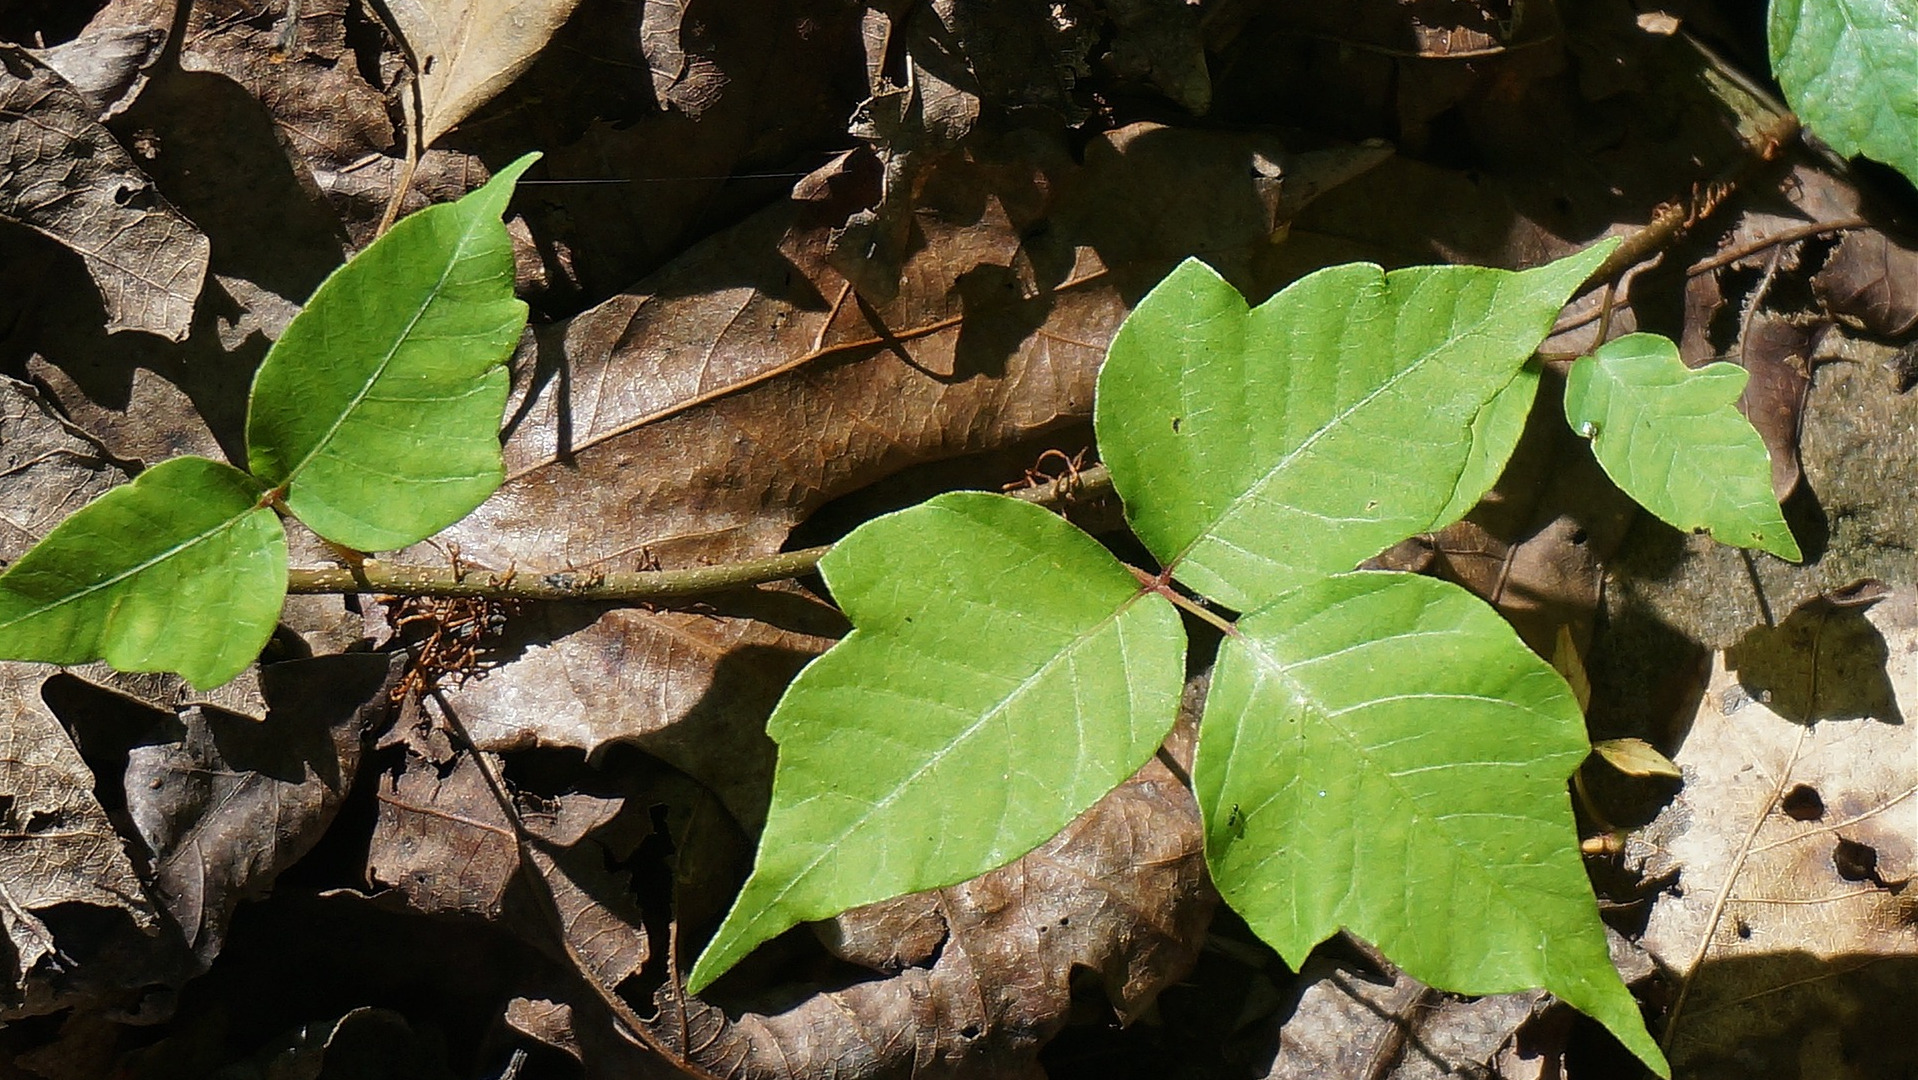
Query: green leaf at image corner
[
  {"x": 1005, "y": 672},
  {"x": 1672, "y": 438},
  {"x": 1381, "y": 752},
  {"x": 1849, "y": 69},
  {"x": 181, "y": 570},
  {"x": 1256, "y": 448},
  {"x": 378, "y": 411}
]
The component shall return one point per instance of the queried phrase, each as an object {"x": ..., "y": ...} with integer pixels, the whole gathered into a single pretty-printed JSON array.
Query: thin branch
[{"x": 1086, "y": 487}]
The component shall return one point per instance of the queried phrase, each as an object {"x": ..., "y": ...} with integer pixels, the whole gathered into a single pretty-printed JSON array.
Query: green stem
[{"x": 1086, "y": 497}]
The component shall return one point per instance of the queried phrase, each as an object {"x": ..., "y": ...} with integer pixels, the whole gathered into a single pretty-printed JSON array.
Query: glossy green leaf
[
  {"x": 1381, "y": 752},
  {"x": 1849, "y": 68},
  {"x": 1257, "y": 448},
  {"x": 378, "y": 411},
  {"x": 181, "y": 570},
  {"x": 1005, "y": 672},
  {"x": 1672, "y": 438}
]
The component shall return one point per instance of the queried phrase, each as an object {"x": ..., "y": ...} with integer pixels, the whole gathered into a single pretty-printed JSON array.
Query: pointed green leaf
[
  {"x": 181, "y": 570},
  {"x": 1005, "y": 672},
  {"x": 378, "y": 411},
  {"x": 1672, "y": 438},
  {"x": 1259, "y": 448},
  {"x": 1849, "y": 68},
  {"x": 1381, "y": 752}
]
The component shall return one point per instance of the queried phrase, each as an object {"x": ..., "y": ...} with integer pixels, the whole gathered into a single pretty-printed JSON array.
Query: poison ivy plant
[
  {"x": 1847, "y": 67},
  {"x": 1654, "y": 423},
  {"x": 374, "y": 419},
  {"x": 1378, "y": 751}
]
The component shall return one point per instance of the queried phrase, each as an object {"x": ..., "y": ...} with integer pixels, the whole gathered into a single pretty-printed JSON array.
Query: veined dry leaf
[
  {"x": 466, "y": 51},
  {"x": 1790, "y": 851},
  {"x": 444, "y": 844},
  {"x": 59, "y": 849},
  {"x": 64, "y": 175}
]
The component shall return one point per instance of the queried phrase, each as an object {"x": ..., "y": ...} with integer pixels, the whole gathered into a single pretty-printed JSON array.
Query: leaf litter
[{"x": 656, "y": 424}]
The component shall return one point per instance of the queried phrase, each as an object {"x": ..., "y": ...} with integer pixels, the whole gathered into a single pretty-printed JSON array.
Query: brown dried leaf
[
  {"x": 56, "y": 847},
  {"x": 444, "y": 844},
  {"x": 1871, "y": 282},
  {"x": 1343, "y": 1022},
  {"x": 65, "y": 176},
  {"x": 1791, "y": 849},
  {"x": 110, "y": 61},
  {"x": 1121, "y": 893},
  {"x": 466, "y": 51},
  {"x": 224, "y": 801}
]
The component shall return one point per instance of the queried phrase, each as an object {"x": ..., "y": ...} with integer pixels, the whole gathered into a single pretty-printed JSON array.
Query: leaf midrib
[
  {"x": 399, "y": 340},
  {"x": 827, "y": 847},
  {"x": 133, "y": 571},
  {"x": 1283, "y": 672},
  {"x": 1311, "y": 440}
]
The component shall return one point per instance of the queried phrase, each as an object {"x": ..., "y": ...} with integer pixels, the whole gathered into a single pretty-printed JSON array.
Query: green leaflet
[
  {"x": 378, "y": 411},
  {"x": 1381, "y": 752},
  {"x": 1004, "y": 673},
  {"x": 1495, "y": 434},
  {"x": 1673, "y": 439},
  {"x": 181, "y": 570},
  {"x": 1849, "y": 68},
  {"x": 1259, "y": 448}
]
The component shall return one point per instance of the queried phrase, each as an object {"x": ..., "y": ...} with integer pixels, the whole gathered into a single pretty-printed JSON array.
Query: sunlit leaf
[
  {"x": 378, "y": 411},
  {"x": 1849, "y": 68},
  {"x": 1257, "y": 448},
  {"x": 1672, "y": 437},
  {"x": 466, "y": 51},
  {"x": 1004, "y": 673},
  {"x": 182, "y": 570},
  {"x": 1381, "y": 752}
]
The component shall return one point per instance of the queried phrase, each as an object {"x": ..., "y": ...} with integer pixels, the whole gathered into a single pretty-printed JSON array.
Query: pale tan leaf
[
  {"x": 1635, "y": 757},
  {"x": 1790, "y": 851},
  {"x": 466, "y": 51}
]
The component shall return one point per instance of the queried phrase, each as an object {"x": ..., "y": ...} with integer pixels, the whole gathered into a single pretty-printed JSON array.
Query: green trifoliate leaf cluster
[
  {"x": 374, "y": 419},
  {"x": 1378, "y": 751}
]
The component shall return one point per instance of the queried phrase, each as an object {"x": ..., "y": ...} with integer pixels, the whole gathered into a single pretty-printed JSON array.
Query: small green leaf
[
  {"x": 1005, "y": 672},
  {"x": 181, "y": 570},
  {"x": 378, "y": 411},
  {"x": 1849, "y": 68},
  {"x": 1672, "y": 438},
  {"x": 1259, "y": 448},
  {"x": 1398, "y": 758}
]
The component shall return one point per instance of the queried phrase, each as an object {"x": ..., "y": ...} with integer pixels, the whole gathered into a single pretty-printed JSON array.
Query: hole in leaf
[
  {"x": 1855, "y": 861},
  {"x": 1802, "y": 803}
]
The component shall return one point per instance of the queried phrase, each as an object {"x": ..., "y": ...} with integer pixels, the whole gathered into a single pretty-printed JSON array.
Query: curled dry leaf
[
  {"x": 225, "y": 802},
  {"x": 1788, "y": 856},
  {"x": 64, "y": 175},
  {"x": 466, "y": 51},
  {"x": 109, "y": 63}
]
